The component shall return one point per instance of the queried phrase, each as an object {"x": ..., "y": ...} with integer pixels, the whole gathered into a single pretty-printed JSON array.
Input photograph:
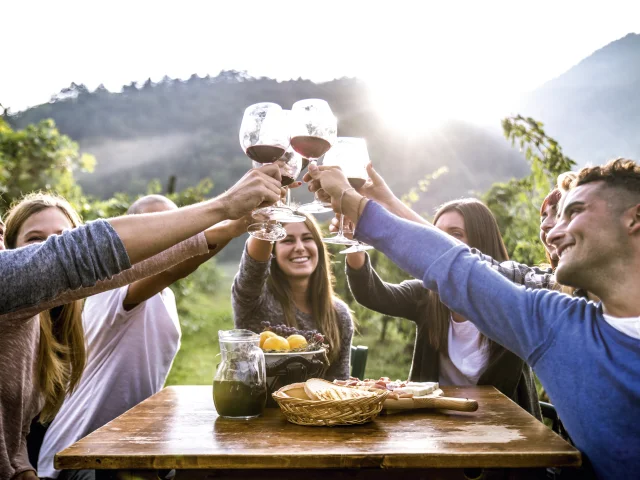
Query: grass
[
  {"x": 202, "y": 315},
  {"x": 196, "y": 361}
]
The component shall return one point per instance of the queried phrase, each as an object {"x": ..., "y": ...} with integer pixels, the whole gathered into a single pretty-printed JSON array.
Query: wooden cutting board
[{"x": 433, "y": 400}]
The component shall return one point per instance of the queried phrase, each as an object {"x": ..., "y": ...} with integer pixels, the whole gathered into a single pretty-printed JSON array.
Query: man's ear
[{"x": 634, "y": 220}]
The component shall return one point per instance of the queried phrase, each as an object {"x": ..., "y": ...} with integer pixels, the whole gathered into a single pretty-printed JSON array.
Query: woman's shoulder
[
  {"x": 340, "y": 304},
  {"x": 342, "y": 309}
]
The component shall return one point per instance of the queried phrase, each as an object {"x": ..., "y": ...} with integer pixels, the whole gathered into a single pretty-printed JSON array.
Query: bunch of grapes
[{"x": 313, "y": 337}]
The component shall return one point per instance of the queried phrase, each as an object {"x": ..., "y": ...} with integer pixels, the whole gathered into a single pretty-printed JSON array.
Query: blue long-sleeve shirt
[{"x": 590, "y": 370}]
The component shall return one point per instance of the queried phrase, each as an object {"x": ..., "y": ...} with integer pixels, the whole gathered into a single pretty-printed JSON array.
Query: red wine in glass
[
  {"x": 310, "y": 147},
  {"x": 286, "y": 180},
  {"x": 265, "y": 153},
  {"x": 357, "y": 183}
]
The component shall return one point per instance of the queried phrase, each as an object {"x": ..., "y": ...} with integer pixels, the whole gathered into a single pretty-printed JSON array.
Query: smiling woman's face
[
  {"x": 1, "y": 235},
  {"x": 297, "y": 253},
  {"x": 40, "y": 226},
  {"x": 547, "y": 222}
]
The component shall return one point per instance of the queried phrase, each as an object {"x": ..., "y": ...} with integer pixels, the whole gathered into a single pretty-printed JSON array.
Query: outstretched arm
[
  {"x": 520, "y": 320},
  {"x": 396, "y": 300},
  {"x": 503, "y": 311},
  {"x": 79, "y": 258},
  {"x": 217, "y": 237},
  {"x": 148, "y": 234}
]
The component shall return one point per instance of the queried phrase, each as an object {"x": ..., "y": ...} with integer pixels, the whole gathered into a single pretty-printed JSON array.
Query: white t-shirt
[
  {"x": 467, "y": 357},
  {"x": 129, "y": 355},
  {"x": 629, "y": 326}
]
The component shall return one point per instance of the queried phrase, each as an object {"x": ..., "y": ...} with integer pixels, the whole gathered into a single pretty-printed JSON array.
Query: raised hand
[
  {"x": 328, "y": 183},
  {"x": 376, "y": 188},
  {"x": 259, "y": 187}
]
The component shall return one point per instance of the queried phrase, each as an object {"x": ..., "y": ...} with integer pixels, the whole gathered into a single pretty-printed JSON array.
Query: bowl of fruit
[
  {"x": 292, "y": 355},
  {"x": 282, "y": 341}
]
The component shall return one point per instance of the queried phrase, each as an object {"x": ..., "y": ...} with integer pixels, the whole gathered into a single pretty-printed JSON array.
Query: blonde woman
[{"x": 38, "y": 275}]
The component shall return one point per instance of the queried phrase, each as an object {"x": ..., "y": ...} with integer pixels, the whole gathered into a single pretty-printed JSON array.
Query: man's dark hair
[{"x": 619, "y": 174}]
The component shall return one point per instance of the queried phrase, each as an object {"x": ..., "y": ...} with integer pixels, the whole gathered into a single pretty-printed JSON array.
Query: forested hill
[
  {"x": 190, "y": 129},
  {"x": 593, "y": 109}
]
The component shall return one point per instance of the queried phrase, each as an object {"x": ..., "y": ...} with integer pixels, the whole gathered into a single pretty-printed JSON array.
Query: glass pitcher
[{"x": 239, "y": 384}]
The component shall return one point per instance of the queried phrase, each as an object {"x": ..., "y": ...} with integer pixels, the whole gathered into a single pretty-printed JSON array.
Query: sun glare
[
  {"x": 410, "y": 107},
  {"x": 421, "y": 105}
]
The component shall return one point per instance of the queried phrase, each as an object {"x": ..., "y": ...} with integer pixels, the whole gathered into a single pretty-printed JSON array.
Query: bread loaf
[{"x": 318, "y": 389}]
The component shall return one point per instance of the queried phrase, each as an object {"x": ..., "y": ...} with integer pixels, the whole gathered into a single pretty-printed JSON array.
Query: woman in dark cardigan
[{"x": 448, "y": 349}]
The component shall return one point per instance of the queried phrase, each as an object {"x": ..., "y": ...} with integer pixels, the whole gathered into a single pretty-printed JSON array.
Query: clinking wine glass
[
  {"x": 264, "y": 137},
  {"x": 291, "y": 165},
  {"x": 358, "y": 247},
  {"x": 351, "y": 155},
  {"x": 314, "y": 128}
]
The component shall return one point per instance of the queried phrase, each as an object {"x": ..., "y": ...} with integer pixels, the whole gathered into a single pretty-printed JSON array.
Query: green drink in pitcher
[{"x": 239, "y": 385}]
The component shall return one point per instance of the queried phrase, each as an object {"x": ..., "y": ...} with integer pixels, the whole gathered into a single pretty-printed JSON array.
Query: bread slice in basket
[{"x": 318, "y": 389}]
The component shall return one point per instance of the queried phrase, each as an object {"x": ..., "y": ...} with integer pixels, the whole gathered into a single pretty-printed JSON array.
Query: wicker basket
[{"x": 329, "y": 413}]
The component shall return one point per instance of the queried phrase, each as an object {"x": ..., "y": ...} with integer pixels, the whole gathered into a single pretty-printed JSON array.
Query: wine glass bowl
[
  {"x": 264, "y": 136},
  {"x": 314, "y": 129}
]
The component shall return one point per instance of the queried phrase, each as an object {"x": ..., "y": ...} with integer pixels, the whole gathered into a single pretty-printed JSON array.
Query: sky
[{"x": 453, "y": 58}]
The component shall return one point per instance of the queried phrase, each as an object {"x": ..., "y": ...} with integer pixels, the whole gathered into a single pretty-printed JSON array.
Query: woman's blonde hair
[
  {"x": 61, "y": 352},
  {"x": 320, "y": 292}
]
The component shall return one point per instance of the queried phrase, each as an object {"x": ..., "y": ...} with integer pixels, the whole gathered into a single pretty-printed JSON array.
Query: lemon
[
  {"x": 276, "y": 343},
  {"x": 297, "y": 341},
  {"x": 264, "y": 335}
]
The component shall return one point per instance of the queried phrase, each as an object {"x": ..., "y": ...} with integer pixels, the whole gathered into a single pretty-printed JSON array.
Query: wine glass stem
[
  {"x": 340, "y": 230},
  {"x": 288, "y": 197}
]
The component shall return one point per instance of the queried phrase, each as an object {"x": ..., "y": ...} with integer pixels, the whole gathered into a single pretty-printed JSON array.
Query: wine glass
[
  {"x": 358, "y": 247},
  {"x": 264, "y": 137},
  {"x": 291, "y": 165},
  {"x": 313, "y": 130},
  {"x": 351, "y": 155}
]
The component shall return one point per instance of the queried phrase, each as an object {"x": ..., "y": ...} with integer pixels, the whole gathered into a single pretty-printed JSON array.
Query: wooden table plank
[{"x": 179, "y": 428}]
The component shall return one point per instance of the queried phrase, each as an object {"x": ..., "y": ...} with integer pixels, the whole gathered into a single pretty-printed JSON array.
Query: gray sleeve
[
  {"x": 77, "y": 258},
  {"x": 397, "y": 300},
  {"x": 531, "y": 277},
  {"x": 341, "y": 368},
  {"x": 248, "y": 292}
]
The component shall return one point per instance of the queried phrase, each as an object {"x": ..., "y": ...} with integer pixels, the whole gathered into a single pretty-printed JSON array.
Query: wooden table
[{"x": 178, "y": 428}]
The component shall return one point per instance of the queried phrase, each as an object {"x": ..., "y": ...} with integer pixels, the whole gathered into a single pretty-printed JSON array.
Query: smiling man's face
[{"x": 589, "y": 237}]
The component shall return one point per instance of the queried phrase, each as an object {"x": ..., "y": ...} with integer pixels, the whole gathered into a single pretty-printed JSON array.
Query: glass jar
[{"x": 239, "y": 384}]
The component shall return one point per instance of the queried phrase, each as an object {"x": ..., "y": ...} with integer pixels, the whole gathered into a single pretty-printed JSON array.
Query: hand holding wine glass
[
  {"x": 351, "y": 155},
  {"x": 264, "y": 137},
  {"x": 257, "y": 188}
]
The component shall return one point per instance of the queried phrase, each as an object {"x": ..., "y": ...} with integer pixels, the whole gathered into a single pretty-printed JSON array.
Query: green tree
[
  {"x": 516, "y": 203},
  {"x": 39, "y": 158}
]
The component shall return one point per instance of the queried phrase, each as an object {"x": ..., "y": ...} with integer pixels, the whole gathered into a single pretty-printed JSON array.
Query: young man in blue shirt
[{"x": 586, "y": 355}]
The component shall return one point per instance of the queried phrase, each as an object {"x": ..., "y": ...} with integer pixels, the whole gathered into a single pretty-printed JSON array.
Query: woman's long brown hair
[
  {"x": 484, "y": 235},
  {"x": 320, "y": 292},
  {"x": 61, "y": 352}
]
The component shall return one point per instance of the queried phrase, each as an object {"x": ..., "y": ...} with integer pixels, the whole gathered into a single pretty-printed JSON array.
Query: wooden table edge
[
  {"x": 570, "y": 457},
  {"x": 329, "y": 461}
]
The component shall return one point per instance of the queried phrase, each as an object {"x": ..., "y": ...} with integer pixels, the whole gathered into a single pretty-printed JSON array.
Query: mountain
[
  {"x": 593, "y": 109},
  {"x": 190, "y": 129}
]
